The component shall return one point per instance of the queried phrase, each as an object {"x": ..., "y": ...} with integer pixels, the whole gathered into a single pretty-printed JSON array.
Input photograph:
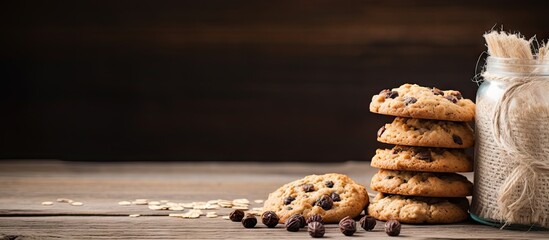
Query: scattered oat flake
[
  {"x": 258, "y": 201},
  {"x": 241, "y": 201},
  {"x": 77, "y": 203},
  {"x": 176, "y": 208},
  {"x": 164, "y": 201},
  {"x": 226, "y": 217},
  {"x": 187, "y": 205},
  {"x": 191, "y": 215},
  {"x": 47, "y": 203},
  {"x": 139, "y": 203},
  {"x": 134, "y": 215},
  {"x": 154, "y": 203},
  {"x": 211, "y": 215},
  {"x": 259, "y": 209},
  {"x": 125, "y": 203}
]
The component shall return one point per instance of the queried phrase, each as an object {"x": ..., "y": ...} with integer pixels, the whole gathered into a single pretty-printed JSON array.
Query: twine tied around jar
[{"x": 511, "y": 60}]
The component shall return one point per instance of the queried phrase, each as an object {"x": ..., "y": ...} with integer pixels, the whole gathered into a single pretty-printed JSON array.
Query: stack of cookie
[{"x": 417, "y": 180}]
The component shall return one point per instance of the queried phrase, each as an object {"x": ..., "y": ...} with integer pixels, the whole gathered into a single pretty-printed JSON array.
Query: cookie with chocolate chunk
[
  {"x": 333, "y": 196},
  {"x": 414, "y": 101},
  {"x": 423, "y": 159},
  {"x": 409, "y": 209},
  {"x": 426, "y": 133},
  {"x": 421, "y": 184}
]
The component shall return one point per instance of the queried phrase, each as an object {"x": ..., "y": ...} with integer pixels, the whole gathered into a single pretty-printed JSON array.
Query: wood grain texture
[
  {"x": 228, "y": 80},
  {"x": 100, "y": 186}
]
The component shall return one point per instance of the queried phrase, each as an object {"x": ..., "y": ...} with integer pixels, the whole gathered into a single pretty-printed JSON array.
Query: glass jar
[{"x": 512, "y": 144}]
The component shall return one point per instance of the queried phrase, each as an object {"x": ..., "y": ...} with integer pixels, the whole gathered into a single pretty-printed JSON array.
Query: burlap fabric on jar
[{"x": 512, "y": 127}]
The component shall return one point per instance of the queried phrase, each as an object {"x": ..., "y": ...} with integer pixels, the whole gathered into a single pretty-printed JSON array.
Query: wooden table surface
[{"x": 100, "y": 186}]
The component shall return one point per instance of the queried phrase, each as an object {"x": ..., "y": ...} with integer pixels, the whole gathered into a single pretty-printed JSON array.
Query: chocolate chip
[
  {"x": 456, "y": 94},
  {"x": 389, "y": 177},
  {"x": 308, "y": 187},
  {"x": 236, "y": 215},
  {"x": 270, "y": 219},
  {"x": 290, "y": 208},
  {"x": 424, "y": 155},
  {"x": 457, "y": 139},
  {"x": 410, "y": 100},
  {"x": 288, "y": 200},
  {"x": 392, "y": 94},
  {"x": 316, "y": 229},
  {"x": 329, "y": 184},
  {"x": 452, "y": 98},
  {"x": 368, "y": 223},
  {"x": 392, "y": 228},
  {"x": 249, "y": 221},
  {"x": 437, "y": 91},
  {"x": 388, "y": 93},
  {"x": 347, "y": 226},
  {"x": 335, "y": 197},
  {"x": 397, "y": 150},
  {"x": 380, "y": 131},
  {"x": 315, "y": 218},
  {"x": 302, "y": 221},
  {"x": 325, "y": 202},
  {"x": 292, "y": 224}
]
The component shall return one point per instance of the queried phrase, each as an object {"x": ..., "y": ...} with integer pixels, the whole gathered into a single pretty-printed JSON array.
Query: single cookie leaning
[
  {"x": 333, "y": 196},
  {"x": 408, "y": 209},
  {"x": 422, "y": 159},
  {"x": 421, "y": 184},
  {"x": 426, "y": 133},
  {"x": 414, "y": 101}
]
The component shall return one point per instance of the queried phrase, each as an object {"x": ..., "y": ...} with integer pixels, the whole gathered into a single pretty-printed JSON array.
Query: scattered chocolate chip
[
  {"x": 288, "y": 200},
  {"x": 315, "y": 218},
  {"x": 368, "y": 223},
  {"x": 380, "y": 131},
  {"x": 347, "y": 226},
  {"x": 410, "y": 100},
  {"x": 424, "y": 155},
  {"x": 308, "y": 187},
  {"x": 293, "y": 224},
  {"x": 249, "y": 221},
  {"x": 452, "y": 98},
  {"x": 335, "y": 197},
  {"x": 325, "y": 202},
  {"x": 329, "y": 184},
  {"x": 457, "y": 139},
  {"x": 397, "y": 150},
  {"x": 392, "y": 228},
  {"x": 236, "y": 215},
  {"x": 302, "y": 221},
  {"x": 270, "y": 219},
  {"x": 437, "y": 91},
  {"x": 316, "y": 229}
]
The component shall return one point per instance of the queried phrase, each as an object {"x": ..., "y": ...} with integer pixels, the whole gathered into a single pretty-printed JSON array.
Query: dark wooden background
[{"x": 228, "y": 80}]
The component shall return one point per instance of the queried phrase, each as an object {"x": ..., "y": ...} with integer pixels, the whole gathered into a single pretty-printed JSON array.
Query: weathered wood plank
[{"x": 101, "y": 185}]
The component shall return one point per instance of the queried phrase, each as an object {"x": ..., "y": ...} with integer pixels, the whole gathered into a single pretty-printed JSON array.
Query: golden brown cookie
[
  {"x": 414, "y": 101},
  {"x": 421, "y": 184},
  {"x": 408, "y": 209},
  {"x": 427, "y": 133},
  {"x": 423, "y": 159},
  {"x": 333, "y": 196}
]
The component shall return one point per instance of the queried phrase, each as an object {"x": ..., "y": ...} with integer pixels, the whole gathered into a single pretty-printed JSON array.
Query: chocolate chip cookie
[
  {"x": 409, "y": 209},
  {"x": 414, "y": 101},
  {"x": 421, "y": 184},
  {"x": 333, "y": 196},
  {"x": 423, "y": 159},
  {"x": 426, "y": 133}
]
